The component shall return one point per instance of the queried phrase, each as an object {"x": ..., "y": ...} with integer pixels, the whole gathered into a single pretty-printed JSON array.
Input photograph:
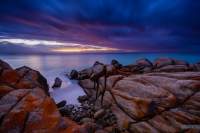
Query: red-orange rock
[
  {"x": 25, "y": 105},
  {"x": 4, "y": 89},
  {"x": 151, "y": 102},
  {"x": 9, "y": 76}
]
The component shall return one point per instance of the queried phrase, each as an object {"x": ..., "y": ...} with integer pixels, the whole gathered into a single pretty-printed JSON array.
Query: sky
[{"x": 112, "y": 25}]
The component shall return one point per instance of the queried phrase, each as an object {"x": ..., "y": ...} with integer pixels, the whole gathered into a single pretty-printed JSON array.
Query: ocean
[{"x": 52, "y": 66}]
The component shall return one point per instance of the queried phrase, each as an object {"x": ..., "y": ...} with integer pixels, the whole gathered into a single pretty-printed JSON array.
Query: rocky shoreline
[
  {"x": 159, "y": 96},
  {"x": 26, "y": 106}
]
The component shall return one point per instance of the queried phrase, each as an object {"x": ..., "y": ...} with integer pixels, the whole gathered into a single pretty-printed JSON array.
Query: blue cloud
[{"x": 142, "y": 24}]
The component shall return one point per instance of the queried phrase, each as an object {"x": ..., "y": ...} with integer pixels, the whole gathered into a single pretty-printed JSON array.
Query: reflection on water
[{"x": 52, "y": 66}]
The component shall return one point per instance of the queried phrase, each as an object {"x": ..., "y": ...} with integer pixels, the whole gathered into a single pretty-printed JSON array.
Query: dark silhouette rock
[
  {"x": 57, "y": 83},
  {"x": 74, "y": 74},
  {"x": 116, "y": 64},
  {"x": 61, "y": 104}
]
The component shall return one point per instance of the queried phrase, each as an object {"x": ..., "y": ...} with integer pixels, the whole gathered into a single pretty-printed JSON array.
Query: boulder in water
[
  {"x": 74, "y": 74},
  {"x": 57, "y": 83},
  {"x": 61, "y": 104}
]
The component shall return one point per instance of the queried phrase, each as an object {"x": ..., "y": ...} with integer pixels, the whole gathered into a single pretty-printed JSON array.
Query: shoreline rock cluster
[
  {"x": 141, "y": 66},
  {"x": 159, "y": 96},
  {"x": 25, "y": 105},
  {"x": 91, "y": 114}
]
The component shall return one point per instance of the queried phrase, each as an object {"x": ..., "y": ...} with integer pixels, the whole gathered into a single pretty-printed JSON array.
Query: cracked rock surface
[
  {"x": 157, "y": 101},
  {"x": 25, "y": 105}
]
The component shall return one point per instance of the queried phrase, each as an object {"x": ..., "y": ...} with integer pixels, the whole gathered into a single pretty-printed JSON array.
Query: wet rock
[
  {"x": 61, "y": 104},
  {"x": 100, "y": 113},
  {"x": 57, "y": 83},
  {"x": 74, "y": 74}
]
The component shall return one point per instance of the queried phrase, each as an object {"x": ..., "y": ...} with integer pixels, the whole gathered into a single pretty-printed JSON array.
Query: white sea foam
[{"x": 69, "y": 90}]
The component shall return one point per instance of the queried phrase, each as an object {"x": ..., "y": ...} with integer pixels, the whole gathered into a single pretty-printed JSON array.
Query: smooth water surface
[{"x": 52, "y": 66}]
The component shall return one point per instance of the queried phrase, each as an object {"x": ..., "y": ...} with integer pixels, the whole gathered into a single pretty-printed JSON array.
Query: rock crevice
[
  {"x": 25, "y": 105},
  {"x": 164, "y": 98}
]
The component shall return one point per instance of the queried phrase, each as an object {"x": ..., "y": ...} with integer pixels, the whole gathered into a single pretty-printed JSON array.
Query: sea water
[{"x": 52, "y": 66}]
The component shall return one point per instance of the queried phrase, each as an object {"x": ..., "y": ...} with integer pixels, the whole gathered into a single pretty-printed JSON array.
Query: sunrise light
[
  {"x": 80, "y": 49},
  {"x": 60, "y": 47}
]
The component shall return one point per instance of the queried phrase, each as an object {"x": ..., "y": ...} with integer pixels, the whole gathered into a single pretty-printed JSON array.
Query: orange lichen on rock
[{"x": 25, "y": 105}]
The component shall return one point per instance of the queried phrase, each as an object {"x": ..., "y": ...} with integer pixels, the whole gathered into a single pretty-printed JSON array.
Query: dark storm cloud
[{"x": 143, "y": 25}]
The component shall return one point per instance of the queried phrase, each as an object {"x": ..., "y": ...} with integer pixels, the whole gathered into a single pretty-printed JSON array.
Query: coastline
[{"x": 137, "y": 95}]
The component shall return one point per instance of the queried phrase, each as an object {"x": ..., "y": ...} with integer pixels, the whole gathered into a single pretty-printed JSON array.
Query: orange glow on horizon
[
  {"x": 83, "y": 49},
  {"x": 60, "y": 47}
]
